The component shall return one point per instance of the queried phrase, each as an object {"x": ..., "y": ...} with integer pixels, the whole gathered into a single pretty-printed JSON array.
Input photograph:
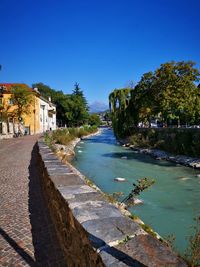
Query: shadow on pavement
[
  {"x": 46, "y": 246},
  {"x": 17, "y": 248}
]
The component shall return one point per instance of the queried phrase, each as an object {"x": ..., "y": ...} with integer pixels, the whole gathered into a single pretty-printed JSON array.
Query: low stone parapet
[
  {"x": 6, "y": 136},
  {"x": 91, "y": 231}
]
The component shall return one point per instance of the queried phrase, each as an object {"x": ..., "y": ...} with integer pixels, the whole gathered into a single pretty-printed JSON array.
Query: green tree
[
  {"x": 79, "y": 107},
  {"x": 120, "y": 112},
  {"x": 72, "y": 109},
  {"x": 176, "y": 90},
  {"x": 61, "y": 100},
  {"x": 142, "y": 184},
  {"x": 143, "y": 99},
  {"x": 169, "y": 93},
  {"x": 22, "y": 99},
  {"x": 5, "y": 113},
  {"x": 94, "y": 120}
]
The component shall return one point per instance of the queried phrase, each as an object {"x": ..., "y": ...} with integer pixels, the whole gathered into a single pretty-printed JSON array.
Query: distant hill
[{"x": 97, "y": 107}]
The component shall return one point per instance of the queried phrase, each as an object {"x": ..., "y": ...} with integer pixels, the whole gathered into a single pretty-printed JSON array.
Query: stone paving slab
[
  {"x": 63, "y": 180},
  {"x": 58, "y": 171},
  {"x": 112, "y": 229},
  {"x": 68, "y": 191},
  {"x": 150, "y": 251},
  {"x": 93, "y": 196},
  {"x": 113, "y": 257},
  {"x": 93, "y": 210},
  {"x": 27, "y": 235}
]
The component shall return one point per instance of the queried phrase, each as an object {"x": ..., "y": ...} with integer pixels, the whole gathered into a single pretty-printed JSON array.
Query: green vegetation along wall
[{"x": 175, "y": 140}]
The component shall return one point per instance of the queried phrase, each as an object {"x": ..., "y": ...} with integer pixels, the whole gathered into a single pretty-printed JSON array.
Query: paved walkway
[{"x": 27, "y": 236}]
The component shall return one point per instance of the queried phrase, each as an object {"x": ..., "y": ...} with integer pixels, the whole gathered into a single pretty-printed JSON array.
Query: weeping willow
[{"x": 120, "y": 108}]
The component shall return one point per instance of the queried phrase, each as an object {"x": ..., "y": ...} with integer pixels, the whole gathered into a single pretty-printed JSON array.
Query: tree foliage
[
  {"x": 72, "y": 109},
  {"x": 119, "y": 105},
  {"x": 5, "y": 113},
  {"x": 94, "y": 120},
  {"x": 142, "y": 184},
  {"x": 79, "y": 107},
  {"x": 22, "y": 99},
  {"x": 169, "y": 94}
]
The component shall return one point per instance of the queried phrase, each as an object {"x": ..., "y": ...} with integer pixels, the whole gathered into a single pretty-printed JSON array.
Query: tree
[
  {"x": 80, "y": 106},
  {"x": 120, "y": 112},
  {"x": 142, "y": 184},
  {"x": 71, "y": 109},
  {"x": 94, "y": 120},
  {"x": 169, "y": 93},
  {"x": 22, "y": 98},
  {"x": 5, "y": 113},
  {"x": 61, "y": 100},
  {"x": 143, "y": 99},
  {"x": 176, "y": 90}
]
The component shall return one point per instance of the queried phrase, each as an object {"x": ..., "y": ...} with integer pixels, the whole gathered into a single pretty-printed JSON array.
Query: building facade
[
  {"x": 47, "y": 115},
  {"x": 40, "y": 116}
]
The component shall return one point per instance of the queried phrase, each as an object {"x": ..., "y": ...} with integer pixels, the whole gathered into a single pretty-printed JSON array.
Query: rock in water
[
  {"x": 119, "y": 179},
  {"x": 184, "y": 178},
  {"x": 138, "y": 201}
]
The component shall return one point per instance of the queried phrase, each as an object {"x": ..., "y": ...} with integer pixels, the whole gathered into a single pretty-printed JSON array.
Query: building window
[
  {"x": 2, "y": 89},
  {"x": 10, "y": 102}
]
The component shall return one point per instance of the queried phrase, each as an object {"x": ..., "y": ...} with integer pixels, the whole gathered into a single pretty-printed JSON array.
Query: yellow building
[{"x": 10, "y": 123}]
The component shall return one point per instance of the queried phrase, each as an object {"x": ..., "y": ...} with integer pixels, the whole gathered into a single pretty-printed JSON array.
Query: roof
[
  {"x": 8, "y": 86},
  {"x": 47, "y": 101}
]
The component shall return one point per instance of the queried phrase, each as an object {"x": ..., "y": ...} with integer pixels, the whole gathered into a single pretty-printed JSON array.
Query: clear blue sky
[{"x": 101, "y": 44}]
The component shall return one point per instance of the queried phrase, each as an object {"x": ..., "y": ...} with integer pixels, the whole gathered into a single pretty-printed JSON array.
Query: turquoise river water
[{"x": 169, "y": 205}]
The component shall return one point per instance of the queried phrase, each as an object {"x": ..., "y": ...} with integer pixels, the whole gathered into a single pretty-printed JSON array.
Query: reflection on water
[{"x": 169, "y": 206}]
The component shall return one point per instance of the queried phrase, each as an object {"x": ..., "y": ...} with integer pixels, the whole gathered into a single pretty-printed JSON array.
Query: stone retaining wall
[{"x": 91, "y": 231}]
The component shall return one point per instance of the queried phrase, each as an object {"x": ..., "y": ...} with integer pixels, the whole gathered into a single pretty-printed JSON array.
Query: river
[{"x": 169, "y": 205}]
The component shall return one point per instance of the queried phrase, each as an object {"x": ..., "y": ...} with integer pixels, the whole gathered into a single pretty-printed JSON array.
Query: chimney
[{"x": 49, "y": 99}]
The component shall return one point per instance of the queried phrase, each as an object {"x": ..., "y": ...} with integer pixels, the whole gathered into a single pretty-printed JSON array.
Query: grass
[
  {"x": 66, "y": 135},
  {"x": 148, "y": 229}
]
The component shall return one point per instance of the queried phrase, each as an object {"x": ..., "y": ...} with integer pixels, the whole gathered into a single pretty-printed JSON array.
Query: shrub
[{"x": 66, "y": 135}]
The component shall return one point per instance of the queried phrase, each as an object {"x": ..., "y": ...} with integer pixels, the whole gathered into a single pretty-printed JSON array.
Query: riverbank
[
  {"x": 66, "y": 152},
  {"x": 163, "y": 155},
  {"x": 119, "y": 235}
]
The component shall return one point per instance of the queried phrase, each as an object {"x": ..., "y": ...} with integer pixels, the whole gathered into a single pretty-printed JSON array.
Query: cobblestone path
[{"x": 27, "y": 236}]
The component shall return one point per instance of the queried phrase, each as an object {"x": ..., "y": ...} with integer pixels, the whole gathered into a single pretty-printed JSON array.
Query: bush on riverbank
[
  {"x": 66, "y": 135},
  {"x": 174, "y": 140}
]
